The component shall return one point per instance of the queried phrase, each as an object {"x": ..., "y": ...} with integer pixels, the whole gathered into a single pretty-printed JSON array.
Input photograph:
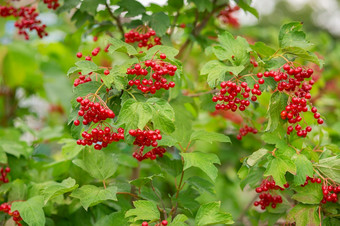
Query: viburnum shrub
[{"x": 167, "y": 117}]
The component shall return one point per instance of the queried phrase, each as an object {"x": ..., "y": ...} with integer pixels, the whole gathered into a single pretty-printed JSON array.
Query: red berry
[
  {"x": 162, "y": 56},
  {"x": 79, "y": 55},
  {"x": 106, "y": 72}
]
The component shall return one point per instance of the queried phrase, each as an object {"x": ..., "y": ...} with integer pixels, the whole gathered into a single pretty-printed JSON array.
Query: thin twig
[
  {"x": 117, "y": 19},
  {"x": 160, "y": 199}
]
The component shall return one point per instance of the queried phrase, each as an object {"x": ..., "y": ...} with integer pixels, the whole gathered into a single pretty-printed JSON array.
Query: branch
[
  {"x": 117, "y": 19},
  {"x": 198, "y": 28}
]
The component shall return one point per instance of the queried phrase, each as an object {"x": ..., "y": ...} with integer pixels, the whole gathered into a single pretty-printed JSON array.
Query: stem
[
  {"x": 104, "y": 184},
  {"x": 128, "y": 193},
  {"x": 160, "y": 199},
  {"x": 117, "y": 19}
]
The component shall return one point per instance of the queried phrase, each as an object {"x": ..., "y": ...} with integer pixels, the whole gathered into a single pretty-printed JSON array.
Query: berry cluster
[
  {"x": 143, "y": 35},
  {"x": 293, "y": 81},
  {"x": 235, "y": 96},
  {"x": 4, "y": 172},
  {"x": 267, "y": 197},
  {"x": 245, "y": 130},
  {"x": 52, "y": 4},
  {"x": 330, "y": 193},
  {"x": 92, "y": 111},
  {"x": 227, "y": 17},
  {"x": 82, "y": 79},
  {"x": 26, "y": 20},
  {"x": 147, "y": 138},
  {"x": 163, "y": 223},
  {"x": 158, "y": 69},
  {"x": 312, "y": 180},
  {"x": 6, "y": 208},
  {"x": 101, "y": 138}
]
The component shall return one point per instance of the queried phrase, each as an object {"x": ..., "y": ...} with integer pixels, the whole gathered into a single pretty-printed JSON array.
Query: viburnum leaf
[
  {"x": 54, "y": 189},
  {"x": 234, "y": 50},
  {"x": 86, "y": 66},
  {"x": 303, "y": 54},
  {"x": 330, "y": 167},
  {"x": 31, "y": 211},
  {"x": 209, "y": 136},
  {"x": 171, "y": 166},
  {"x": 144, "y": 210},
  {"x": 262, "y": 49},
  {"x": 141, "y": 181},
  {"x": 133, "y": 7},
  {"x": 90, "y": 195},
  {"x": 203, "y": 161},
  {"x": 160, "y": 23},
  {"x": 304, "y": 168},
  {"x": 278, "y": 101},
  {"x": 179, "y": 220},
  {"x": 291, "y": 36},
  {"x": 169, "y": 51},
  {"x": 246, "y": 7},
  {"x": 163, "y": 115},
  {"x": 118, "y": 45},
  {"x": 256, "y": 156},
  {"x": 255, "y": 174},
  {"x": 278, "y": 167},
  {"x": 309, "y": 194},
  {"x": 98, "y": 164},
  {"x": 303, "y": 214},
  {"x": 70, "y": 148},
  {"x": 84, "y": 89},
  {"x": 215, "y": 71},
  {"x": 202, "y": 5},
  {"x": 135, "y": 114},
  {"x": 114, "y": 219},
  {"x": 210, "y": 214},
  {"x": 16, "y": 148},
  {"x": 201, "y": 184},
  {"x": 90, "y": 6},
  {"x": 187, "y": 199}
]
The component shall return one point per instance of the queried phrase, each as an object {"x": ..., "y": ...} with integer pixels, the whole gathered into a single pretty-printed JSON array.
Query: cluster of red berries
[
  {"x": 92, "y": 112},
  {"x": 312, "y": 180},
  {"x": 330, "y": 193},
  {"x": 6, "y": 208},
  {"x": 266, "y": 198},
  {"x": 52, "y": 4},
  {"x": 26, "y": 20},
  {"x": 293, "y": 80},
  {"x": 143, "y": 35},
  {"x": 163, "y": 223},
  {"x": 254, "y": 63},
  {"x": 82, "y": 79},
  {"x": 4, "y": 172},
  {"x": 227, "y": 17},
  {"x": 158, "y": 69},
  {"x": 245, "y": 130},
  {"x": 147, "y": 138},
  {"x": 235, "y": 96},
  {"x": 101, "y": 138}
]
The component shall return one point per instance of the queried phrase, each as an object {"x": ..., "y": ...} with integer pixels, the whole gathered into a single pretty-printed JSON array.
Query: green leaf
[
  {"x": 144, "y": 210},
  {"x": 135, "y": 114},
  {"x": 309, "y": 194},
  {"x": 98, "y": 164},
  {"x": 70, "y": 148},
  {"x": 176, "y": 4},
  {"x": 179, "y": 220},
  {"x": 118, "y": 45},
  {"x": 234, "y": 50},
  {"x": 278, "y": 167},
  {"x": 201, "y": 184},
  {"x": 90, "y": 195},
  {"x": 305, "y": 55},
  {"x": 133, "y": 7},
  {"x": 246, "y": 7},
  {"x": 31, "y": 210},
  {"x": 141, "y": 181},
  {"x": 215, "y": 71},
  {"x": 262, "y": 49},
  {"x": 169, "y": 51},
  {"x": 291, "y": 35},
  {"x": 16, "y": 148},
  {"x": 72, "y": 70},
  {"x": 3, "y": 157},
  {"x": 203, "y": 161},
  {"x": 86, "y": 66},
  {"x": 210, "y": 214},
  {"x": 330, "y": 167},
  {"x": 209, "y": 136},
  {"x": 160, "y": 23},
  {"x": 202, "y": 5},
  {"x": 256, "y": 156},
  {"x": 114, "y": 219},
  {"x": 116, "y": 77},
  {"x": 171, "y": 166},
  {"x": 277, "y": 103},
  {"x": 54, "y": 189},
  {"x": 304, "y": 168},
  {"x": 253, "y": 177},
  {"x": 90, "y": 6},
  {"x": 303, "y": 214},
  {"x": 163, "y": 115}
]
